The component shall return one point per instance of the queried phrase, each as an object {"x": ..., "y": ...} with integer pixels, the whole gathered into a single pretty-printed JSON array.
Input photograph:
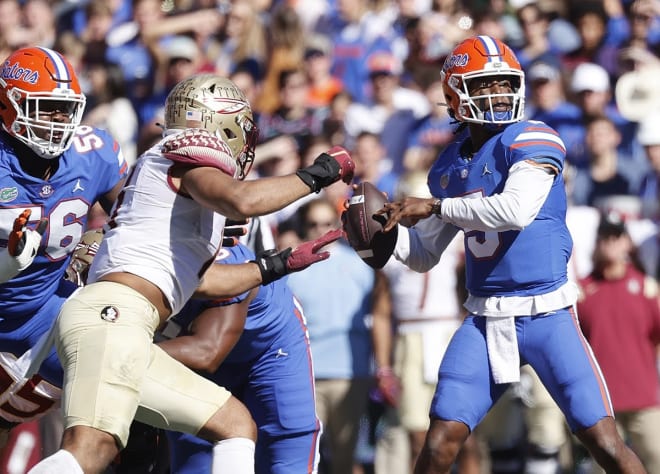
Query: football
[{"x": 364, "y": 229}]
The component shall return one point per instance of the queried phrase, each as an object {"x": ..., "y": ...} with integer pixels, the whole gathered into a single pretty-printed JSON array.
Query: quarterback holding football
[{"x": 500, "y": 183}]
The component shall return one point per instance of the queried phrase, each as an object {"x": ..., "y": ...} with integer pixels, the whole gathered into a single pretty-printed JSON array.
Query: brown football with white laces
[{"x": 364, "y": 228}]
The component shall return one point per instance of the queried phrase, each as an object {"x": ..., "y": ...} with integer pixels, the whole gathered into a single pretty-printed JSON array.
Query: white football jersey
[{"x": 159, "y": 234}]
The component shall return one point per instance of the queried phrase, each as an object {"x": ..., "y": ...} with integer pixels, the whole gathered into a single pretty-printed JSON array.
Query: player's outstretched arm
[
  {"x": 213, "y": 334},
  {"x": 239, "y": 199},
  {"x": 22, "y": 246},
  {"x": 226, "y": 281}
]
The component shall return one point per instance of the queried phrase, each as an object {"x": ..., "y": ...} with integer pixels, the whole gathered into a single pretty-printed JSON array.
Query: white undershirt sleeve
[
  {"x": 421, "y": 246},
  {"x": 525, "y": 191}
]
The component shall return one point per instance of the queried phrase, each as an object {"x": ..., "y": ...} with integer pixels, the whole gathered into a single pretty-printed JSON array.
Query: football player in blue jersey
[
  {"x": 52, "y": 171},
  {"x": 255, "y": 345},
  {"x": 500, "y": 182}
]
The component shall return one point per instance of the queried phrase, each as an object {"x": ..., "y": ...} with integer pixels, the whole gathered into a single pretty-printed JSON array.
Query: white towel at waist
[
  {"x": 502, "y": 344},
  {"x": 501, "y": 338}
]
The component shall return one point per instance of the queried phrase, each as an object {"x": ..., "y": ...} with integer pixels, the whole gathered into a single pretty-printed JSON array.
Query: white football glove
[{"x": 22, "y": 247}]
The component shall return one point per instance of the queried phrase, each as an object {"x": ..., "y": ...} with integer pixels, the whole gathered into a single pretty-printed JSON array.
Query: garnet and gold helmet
[
  {"x": 41, "y": 102},
  {"x": 215, "y": 104},
  {"x": 483, "y": 57}
]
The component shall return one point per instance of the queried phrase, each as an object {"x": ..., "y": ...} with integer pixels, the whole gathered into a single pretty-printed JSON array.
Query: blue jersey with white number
[
  {"x": 90, "y": 168},
  {"x": 510, "y": 263}
]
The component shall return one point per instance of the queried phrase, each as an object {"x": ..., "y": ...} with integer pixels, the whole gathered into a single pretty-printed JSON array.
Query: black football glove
[
  {"x": 234, "y": 229},
  {"x": 327, "y": 168}
]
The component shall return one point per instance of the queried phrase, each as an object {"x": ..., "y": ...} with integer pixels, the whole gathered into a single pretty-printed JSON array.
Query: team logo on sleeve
[
  {"x": 444, "y": 181},
  {"x": 110, "y": 314},
  {"x": 8, "y": 194}
]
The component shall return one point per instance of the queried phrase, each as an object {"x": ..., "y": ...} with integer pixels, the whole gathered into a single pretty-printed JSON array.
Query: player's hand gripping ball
[{"x": 364, "y": 228}]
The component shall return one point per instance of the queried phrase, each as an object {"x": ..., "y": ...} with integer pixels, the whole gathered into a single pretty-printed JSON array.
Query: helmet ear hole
[{"x": 229, "y": 133}]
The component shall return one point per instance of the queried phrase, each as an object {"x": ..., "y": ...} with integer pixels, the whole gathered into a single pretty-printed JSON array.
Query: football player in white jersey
[{"x": 165, "y": 231}]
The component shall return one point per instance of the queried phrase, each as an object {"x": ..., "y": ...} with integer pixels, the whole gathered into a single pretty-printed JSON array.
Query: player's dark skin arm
[
  {"x": 109, "y": 198},
  {"x": 213, "y": 334}
]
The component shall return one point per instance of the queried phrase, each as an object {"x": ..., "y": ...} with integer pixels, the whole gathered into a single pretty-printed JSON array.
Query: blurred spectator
[
  {"x": 334, "y": 122},
  {"x": 640, "y": 48},
  {"x": 310, "y": 11},
  {"x": 39, "y": 19},
  {"x": 488, "y": 22},
  {"x": 649, "y": 137},
  {"x": 13, "y": 33},
  {"x": 177, "y": 59},
  {"x": 242, "y": 37},
  {"x": 536, "y": 46},
  {"x": 323, "y": 86},
  {"x": 99, "y": 22},
  {"x": 548, "y": 103},
  {"x": 337, "y": 295},
  {"x": 371, "y": 163},
  {"x": 77, "y": 18},
  {"x": 356, "y": 34},
  {"x": 635, "y": 91},
  {"x": 431, "y": 134},
  {"x": 592, "y": 92},
  {"x": 581, "y": 222},
  {"x": 247, "y": 76},
  {"x": 279, "y": 156},
  {"x": 562, "y": 34},
  {"x": 285, "y": 51},
  {"x": 430, "y": 38},
  {"x": 108, "y": 108},
  {"x": 392, "y": 112},
  {"x": 127, "y": 47},
  {"x": 293, "y": 116},
  {"x": 505, "y": 17},
  {"x": 619, "y": 309},
  {"x": 200, "y": 24},
  {"x": 424, "y": 322},
  {"x": 599, "y": 36},
  {"x": 602, "y": 177}
]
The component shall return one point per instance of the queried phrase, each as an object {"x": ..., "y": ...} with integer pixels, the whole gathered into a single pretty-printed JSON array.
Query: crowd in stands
[
  {"x": 365, "y": 74},
  {"x": 338, "y": 69}
]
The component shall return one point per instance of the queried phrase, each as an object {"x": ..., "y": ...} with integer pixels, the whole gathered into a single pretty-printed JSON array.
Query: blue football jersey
[
  {"x": 510, "y": 263},
  {"x": 90, "y": 168},
  {"x": 268, "y": 311},
  {"x": 270, "y": 371}
]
